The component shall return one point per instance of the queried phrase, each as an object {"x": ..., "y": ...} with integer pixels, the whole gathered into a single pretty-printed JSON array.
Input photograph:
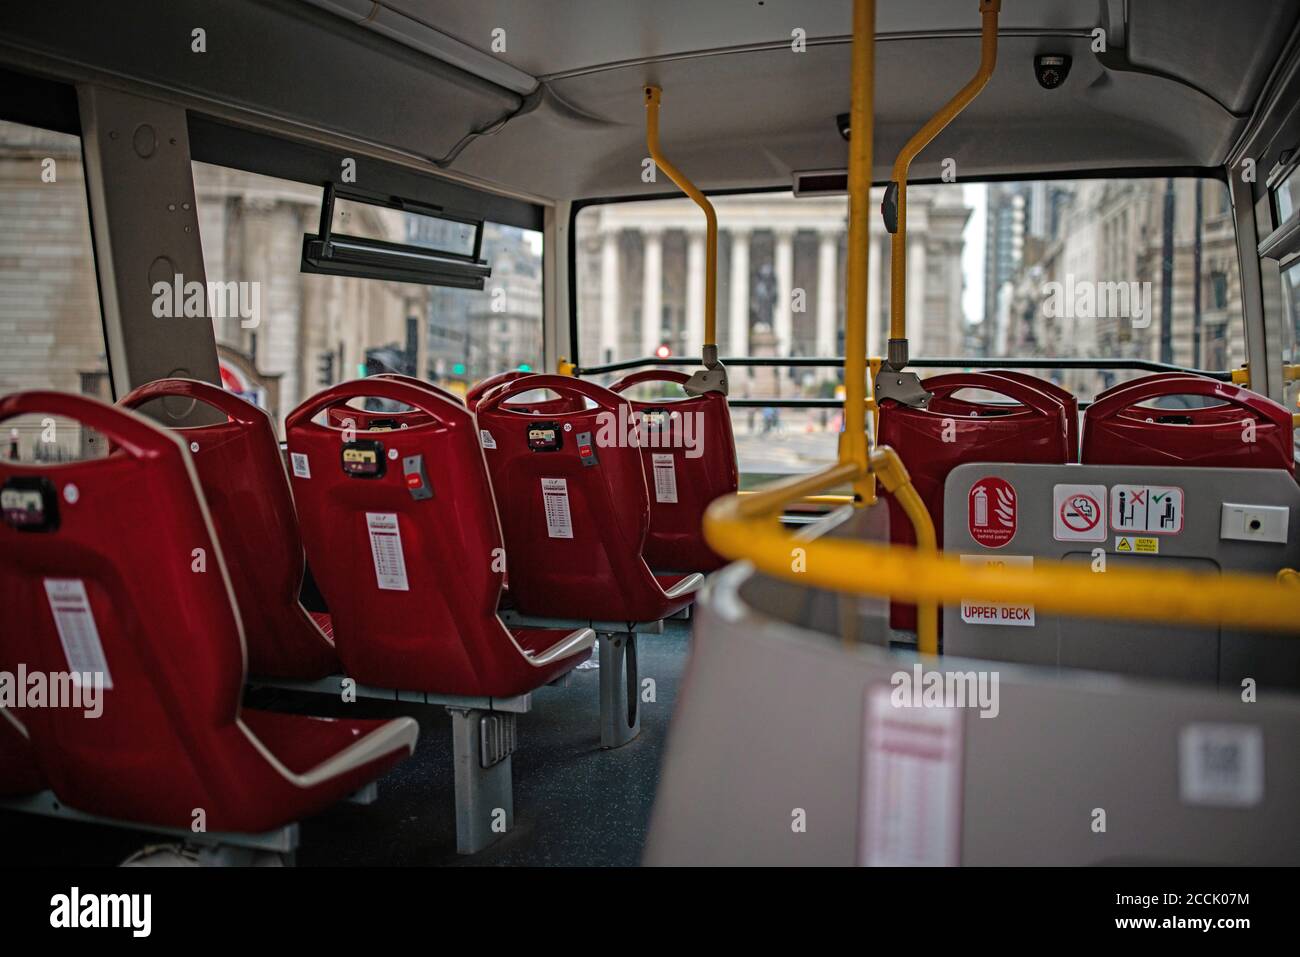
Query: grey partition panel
[
  {"x": 1045, "y": 529},
  {"x": 145, "y": 225},
  {"x": 770, "y": 734}
]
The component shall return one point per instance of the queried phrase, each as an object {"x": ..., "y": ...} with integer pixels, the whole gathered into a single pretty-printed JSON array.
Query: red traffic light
[{"x": 663, "y": 352}]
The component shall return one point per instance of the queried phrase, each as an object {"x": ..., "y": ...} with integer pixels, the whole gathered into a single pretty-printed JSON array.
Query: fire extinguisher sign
[{"x": 991, "y": 512}]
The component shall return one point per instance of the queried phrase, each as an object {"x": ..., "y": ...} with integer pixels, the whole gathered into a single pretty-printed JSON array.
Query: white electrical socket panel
[{"x": 1254, "y": 523}]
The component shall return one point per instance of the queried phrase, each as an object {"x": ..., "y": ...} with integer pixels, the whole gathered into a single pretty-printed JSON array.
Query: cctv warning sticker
[
  {"x": 991, "y": 512},
  {"x": 486, "y": 437},
  {"x": 301, "y": 467},
  {"x": 1136, "y": 545},
  {"x": 992, "y": 612},
  {"x": 1079, "y": 513},
  {"x": 1157, "y": 509}
]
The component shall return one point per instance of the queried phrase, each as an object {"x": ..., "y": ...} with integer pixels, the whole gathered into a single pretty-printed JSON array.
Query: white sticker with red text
[
  {"x": 992, "y": 612},
  {"x": 912, "y": 785},
  {"x": 386, "y": 551}
]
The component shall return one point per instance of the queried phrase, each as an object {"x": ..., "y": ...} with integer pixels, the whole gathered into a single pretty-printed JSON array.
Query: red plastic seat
[
  {"x": 409, "y": 556},
  {"x": 963, "y": 407},
  {"x": 682, "y": 486},
  {"x": 1243, "y": 430},
  {"x": 345, "y": 416},
  {"x": 575, "y": 518},
  {"x": 247, "y": 494},
  {"x": 932, "y": 442},
  {"x": 106, "y": 585},
  {"x": 562, "y": 403},
  {"x": 19, "y": 772}
]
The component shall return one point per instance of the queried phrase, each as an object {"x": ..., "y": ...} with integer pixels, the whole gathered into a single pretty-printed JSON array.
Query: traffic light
[
  {"x": 664, "y": 351},
  {"x": 325, "y": 369}
]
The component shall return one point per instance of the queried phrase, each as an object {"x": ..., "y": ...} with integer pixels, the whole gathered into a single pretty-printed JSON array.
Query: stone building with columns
[{"x": 781, "y": 268}]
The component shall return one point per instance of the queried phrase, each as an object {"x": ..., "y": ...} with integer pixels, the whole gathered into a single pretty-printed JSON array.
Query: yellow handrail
[
  {"x": 710, "y": 347},
  {"x": 853, "y": 446},
  {"x": 813, "y": 499},
  {"x": 898, "y": 350}
]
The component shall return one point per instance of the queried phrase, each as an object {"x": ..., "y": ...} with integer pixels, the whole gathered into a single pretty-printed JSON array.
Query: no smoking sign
[{"x": 1079, "y": 513}]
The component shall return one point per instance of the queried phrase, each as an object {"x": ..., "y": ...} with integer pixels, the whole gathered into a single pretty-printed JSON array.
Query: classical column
[
  {"x": 652, "y": 294},
  {"x": 694, "y": 293},
  {"x": 875, "y": 294},
  {"x": 738, "y": 341},
  {"x": 827, "y": 248},
  {"x": 782, "y": 316},
  {"x": 916, "y": 295},
  {"x": 609, "y": 296}
]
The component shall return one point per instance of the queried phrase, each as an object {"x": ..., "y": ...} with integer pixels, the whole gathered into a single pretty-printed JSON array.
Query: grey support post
[
  {"x": 482, "y": 743},
  {"x": 620, "y": 712}
]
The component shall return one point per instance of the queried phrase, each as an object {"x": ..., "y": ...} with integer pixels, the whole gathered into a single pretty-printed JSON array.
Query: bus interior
[{"x": 618, "y": 433}]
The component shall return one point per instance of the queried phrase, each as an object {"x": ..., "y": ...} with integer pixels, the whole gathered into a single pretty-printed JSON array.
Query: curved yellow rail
[
  {"x": 989, "y": 10},
  {"x": 652, "y": 97}
]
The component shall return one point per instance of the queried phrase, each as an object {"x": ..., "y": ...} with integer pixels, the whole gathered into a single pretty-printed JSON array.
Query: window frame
[{"x": 1218, "y": 173}]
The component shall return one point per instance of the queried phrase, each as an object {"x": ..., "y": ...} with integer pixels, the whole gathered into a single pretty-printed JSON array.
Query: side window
[
  {"x": 283, "y": 335},
  {"x": 51, "y": 330},
  {"x": 1291, "y": 330}
]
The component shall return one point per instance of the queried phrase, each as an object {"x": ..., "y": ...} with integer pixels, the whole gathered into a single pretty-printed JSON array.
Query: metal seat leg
[
  {"x": 620, "y": 712},
  {"x": 482, "y": 743}
]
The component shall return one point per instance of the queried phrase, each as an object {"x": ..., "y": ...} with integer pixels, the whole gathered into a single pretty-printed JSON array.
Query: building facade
[{"x": 781, "y": 269}]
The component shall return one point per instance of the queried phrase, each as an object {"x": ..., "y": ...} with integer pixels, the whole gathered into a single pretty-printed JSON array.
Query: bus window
[
  {"x": 51, "y": 330},
  {"x": 1045, "y": 268},
  {"x": 1291, "y": 330},
  {"x": 283, "y": 334}
]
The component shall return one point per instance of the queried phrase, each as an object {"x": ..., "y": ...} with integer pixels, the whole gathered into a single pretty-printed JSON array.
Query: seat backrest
[
  {"x": 1216, "y": 412},
  {"x": 688, "y": 453},
  {"x": 947, "y": 403},
  {"x": 574, "y": 507},
  {"x": 935, "y": 440},
  {"x": 247, "y": 493},
  {"x": 1243, "y": 429},
  {"x": 99, "y": 574},
  {"x": 19, "y": 771},
  {"x": 402, "y": 535},
  {"x": 346, "y": 416},
  {"x": 562, "y": 403}
]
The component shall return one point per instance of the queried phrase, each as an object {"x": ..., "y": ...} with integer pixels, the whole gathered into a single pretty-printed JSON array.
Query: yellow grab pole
[
  {"x": 853, "y": 448},
  {"x": 886, "y": 464},
  {"x": 898, "y": 354},
  {"x": 710, "y": 348}
]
